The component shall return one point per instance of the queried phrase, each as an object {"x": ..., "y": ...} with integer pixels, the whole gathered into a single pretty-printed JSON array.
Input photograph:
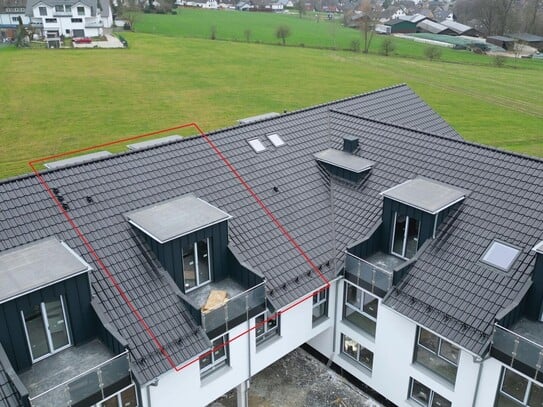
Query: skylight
[
  {"x": 500, "y": 255},
  {"x": 276, "y": 140},
  {"x": 257, "y": 145}
]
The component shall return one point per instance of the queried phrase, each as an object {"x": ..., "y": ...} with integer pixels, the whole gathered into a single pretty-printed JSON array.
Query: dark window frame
[
  {"x": 432, "y": 395},
  {"x": 359, "y": 349},
  {"x": 509, "y": 398},
  {"x": 319, "y": 310},
  {"x": 217, "y": 357},
  {"x": 436, "y": 353},
  {"x": 267, "y": 328},
  {"x": 361, "y": 308}
]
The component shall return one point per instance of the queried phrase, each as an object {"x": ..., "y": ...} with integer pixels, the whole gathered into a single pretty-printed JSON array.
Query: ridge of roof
[{"x": 459, "y": 141}]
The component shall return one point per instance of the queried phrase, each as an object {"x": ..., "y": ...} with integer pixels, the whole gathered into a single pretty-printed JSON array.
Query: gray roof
[
  {"x": 432, "y": 26},
  {"x": 37, "y": 264},
  {"x": 526, "y": 37},
  {"x": 415, "y": 18},
  {"x": 344, "y": 160},
  {"x": 127, "y": 182},
  {"x": 30, "y": 4},
  {"x": 427, "y": 195},
  {"x": 177, "y": 217},
  {"x": 456, "y": 26},
  {"x": 501, "y": 38}
]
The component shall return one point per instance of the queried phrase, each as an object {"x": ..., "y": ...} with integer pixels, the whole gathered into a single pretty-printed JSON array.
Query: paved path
[{"x": 112, "y": 42}]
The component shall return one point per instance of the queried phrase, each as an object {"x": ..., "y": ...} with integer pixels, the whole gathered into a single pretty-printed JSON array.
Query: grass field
[{"x": 59, "y": 100}]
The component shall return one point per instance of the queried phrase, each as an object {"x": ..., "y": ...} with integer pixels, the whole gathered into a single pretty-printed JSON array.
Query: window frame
[
  {"x": 405, "y": 235},
  {"x": 198, "y": 283},
  {"x": 117, "y": 395},
  {"x": 432, "y": 394},
  {"x": 358, "y": 351},
  {"x": 360, "y": 309},
  {"x": 42, "y": 11},
  {"x": 214, "y": 363},
  {"x": 320, "y": 299},
  {"x": 268, "y": 332},
  {"x": 437, "y": 353},
  {"x": 80, "y": 11},
  {"x": 527, "y": 391}
]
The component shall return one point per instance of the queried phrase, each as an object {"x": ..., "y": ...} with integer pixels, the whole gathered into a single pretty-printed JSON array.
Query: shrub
[
  {"x": 432, "y": 52},
  {"x": 213, "y": 32},
  {"x": 355, "y": 45},
  {"x": 282, "y": 32},
  {"x": 499, "y": 61},
  {"x": 387, "y": 46}
]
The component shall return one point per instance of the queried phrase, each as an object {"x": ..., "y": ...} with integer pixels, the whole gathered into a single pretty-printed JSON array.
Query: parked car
[{"x": 82, "y": 40}]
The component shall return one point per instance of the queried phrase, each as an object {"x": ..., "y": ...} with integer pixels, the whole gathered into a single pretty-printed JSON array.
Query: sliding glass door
[{"x": 46, "y": 328}]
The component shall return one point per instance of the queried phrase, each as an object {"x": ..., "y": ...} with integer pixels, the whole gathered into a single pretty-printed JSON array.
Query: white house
[
  {"x": 367, "y": 229},
  {"x": 72, "y": 18}
]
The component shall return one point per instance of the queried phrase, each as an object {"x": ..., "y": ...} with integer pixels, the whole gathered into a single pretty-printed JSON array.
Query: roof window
[
  {"x": 257, "y": 145},
  {"x": 276, "y": 140},
  {"x": 500, "y": 255}
]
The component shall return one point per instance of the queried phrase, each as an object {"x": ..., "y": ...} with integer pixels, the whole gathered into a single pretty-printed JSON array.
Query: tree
[
  {"x": 21, "y": 35},
  {"x": 369, "y": 20},
  {"x": 387, "y": 46},
  {"x": 282, "y": 32},
  {"x": 432, "y": 52},
  {"x": 300, "y": 6},
  {"x": 247, "y": 34}
]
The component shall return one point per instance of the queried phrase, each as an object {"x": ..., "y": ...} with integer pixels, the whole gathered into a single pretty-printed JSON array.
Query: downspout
[
  {"x": 154, "y": 383},
  {"x": 334, "y": 340},
  {"x": 479, "y": 360}
]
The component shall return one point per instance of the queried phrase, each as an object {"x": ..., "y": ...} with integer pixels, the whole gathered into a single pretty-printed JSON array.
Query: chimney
[{"x": 350, "y": 144}]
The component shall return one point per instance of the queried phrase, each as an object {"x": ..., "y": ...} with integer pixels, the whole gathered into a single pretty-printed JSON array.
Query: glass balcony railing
[
  {"x": 236, "y": 310},
  {"x": 517, "y": 351},
  {"x": 90, "y": 387},
  {"x": 367, "y": 275}
]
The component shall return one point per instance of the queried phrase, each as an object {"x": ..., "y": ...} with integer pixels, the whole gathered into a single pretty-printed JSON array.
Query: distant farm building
[
  {"x": 506, "y": 43},
  {"x": 460, "y": 29}
]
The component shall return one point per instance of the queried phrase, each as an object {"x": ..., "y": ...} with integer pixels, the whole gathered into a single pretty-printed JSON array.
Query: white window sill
[
  {"x": 267, "y": 343},
  {"x": 358, "y": 366},
  {"x": 214, "y": 375},
  {"x": 320, "y": 321}
]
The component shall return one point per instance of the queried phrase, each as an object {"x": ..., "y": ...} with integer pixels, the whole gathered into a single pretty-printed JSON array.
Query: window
[
  {"x": 500, "y": 255},
  {"x": 355, "y": 351},
  {"x": 437, "y": 354},
  {"x": 516, "y": 390},
  {"x": 276, "y": 140},
  {"x": 266, "y": 326},
  {"x": 43, "y": 11},
  {"x": 425, "y": 397},
  {"x": 320, "y": 305},
  {"x": 77, "y": 20},
  {"x": 216, "y": 357},
  {"x": 14, "y": 19},
  {"x": 360, "y": 308},
  {"x": 80, "y": 11},
  {"x": 257, "y": 145},
  {"x": 46, "y": 329},
  {"x": 196, "y": 265},
  {"x": 67, "y": 8},
  {"x": 124, "y": 398},
  {"x": 50, "y": 20},
  {"x": 59, "y": 8},
  {"x": 405, "y": 238}
]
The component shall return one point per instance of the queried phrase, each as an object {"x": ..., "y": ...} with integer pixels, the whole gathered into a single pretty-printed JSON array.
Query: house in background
[
  {"x": 365, "y": 228},
  {"x": 71, "y": 18},
  {"x": 10, "y": 13}
]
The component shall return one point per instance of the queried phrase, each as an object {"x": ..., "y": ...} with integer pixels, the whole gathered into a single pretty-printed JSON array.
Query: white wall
[
  {"x": 393, "y": 349},
  {"x": 185, "y": 388}
]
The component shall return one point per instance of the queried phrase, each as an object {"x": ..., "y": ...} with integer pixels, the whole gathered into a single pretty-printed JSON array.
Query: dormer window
[
  {"x": 196, "y": 264},
  {"x": 405, "y": 238}
]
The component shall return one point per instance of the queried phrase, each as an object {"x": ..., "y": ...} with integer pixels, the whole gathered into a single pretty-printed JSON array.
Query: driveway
[{"x": 110, "y": 42}]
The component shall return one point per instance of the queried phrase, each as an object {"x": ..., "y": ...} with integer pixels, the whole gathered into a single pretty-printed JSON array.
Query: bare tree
[
  {"x": 282, "y": 32},
  {"x": 369, "y": 20},
  {"x": 300, "y": 6}
]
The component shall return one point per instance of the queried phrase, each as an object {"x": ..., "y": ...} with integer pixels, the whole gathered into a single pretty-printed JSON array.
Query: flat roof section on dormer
[
  {"x": 344, "y": 160},
  {"x": 36, "y": 265},
  {"x": 176, "y": 217},
  {"x": 424, "y": 194}
]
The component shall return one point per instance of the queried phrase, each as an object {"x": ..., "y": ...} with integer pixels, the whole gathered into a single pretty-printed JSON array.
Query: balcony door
[{"x": 46, "y": 328}]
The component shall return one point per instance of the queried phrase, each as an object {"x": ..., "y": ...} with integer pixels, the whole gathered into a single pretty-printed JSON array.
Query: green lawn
[{"x": 59, "y": 100}]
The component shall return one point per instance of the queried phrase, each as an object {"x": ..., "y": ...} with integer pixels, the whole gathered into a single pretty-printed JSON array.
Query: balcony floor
[
  {"x": 532, "y": 330},
  {"x": 199, "y": 296},
  {"x": 385, "y": 260},
  {"x": 62, "y": 366}
]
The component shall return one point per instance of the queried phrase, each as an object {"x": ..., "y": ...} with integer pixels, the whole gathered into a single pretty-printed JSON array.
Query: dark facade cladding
[
  {"x": 444, "y": 286},
  {"x": 82, "y": 320}
]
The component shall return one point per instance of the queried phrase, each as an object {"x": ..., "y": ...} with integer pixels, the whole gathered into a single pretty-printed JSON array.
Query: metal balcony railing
[
  {"x": 236, "y": 310},
  {"x": 367, "y": 275},
  {"x": 90, "y": 387},
  {"x": 517, "y": 351}
]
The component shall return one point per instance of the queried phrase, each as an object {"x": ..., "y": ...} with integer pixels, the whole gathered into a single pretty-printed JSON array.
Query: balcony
[
  {"x": 78, "y": 376},
  {"x": 521, "y": 347},
  {"x": 375, "y": 273},
  {"x": 240, "y": 305}
]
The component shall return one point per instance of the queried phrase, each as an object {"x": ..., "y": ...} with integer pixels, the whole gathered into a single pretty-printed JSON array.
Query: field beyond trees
[{"x": 59, "y": 100}]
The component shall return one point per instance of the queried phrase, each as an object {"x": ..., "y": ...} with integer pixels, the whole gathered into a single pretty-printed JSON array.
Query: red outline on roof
[{"x": 116, "y": 284}]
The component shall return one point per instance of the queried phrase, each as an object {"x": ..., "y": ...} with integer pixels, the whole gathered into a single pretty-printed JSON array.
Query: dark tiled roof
[
  {"x": 322, "y": 214},
  {"x": 9, "y": 394}
]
